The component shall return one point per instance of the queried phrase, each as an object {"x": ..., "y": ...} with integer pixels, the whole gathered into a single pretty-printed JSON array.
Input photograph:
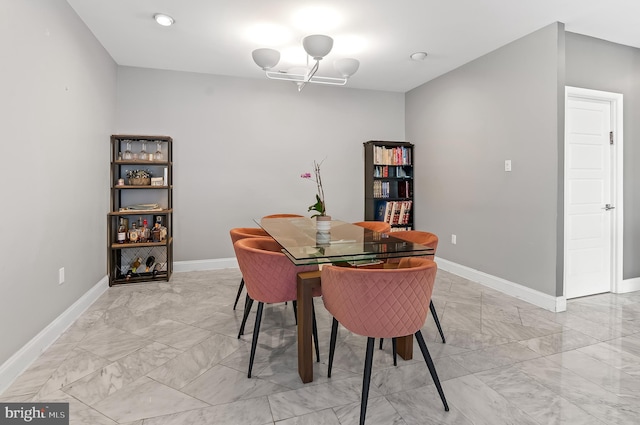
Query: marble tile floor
[{"x": 167, "y": 353}]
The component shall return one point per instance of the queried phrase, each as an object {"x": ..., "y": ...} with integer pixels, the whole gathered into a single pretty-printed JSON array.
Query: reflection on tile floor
[{"x": 167, "y": 353}]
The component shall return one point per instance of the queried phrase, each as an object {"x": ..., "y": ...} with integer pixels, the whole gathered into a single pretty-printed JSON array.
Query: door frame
[{"x": 617, "y": 219}]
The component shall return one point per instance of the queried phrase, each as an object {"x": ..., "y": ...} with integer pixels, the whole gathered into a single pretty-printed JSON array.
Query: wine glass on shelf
[
  {"x": 128, "y": 155},
  {"x": 143, "y": 152},
  {"x": 158, "y": 156}
]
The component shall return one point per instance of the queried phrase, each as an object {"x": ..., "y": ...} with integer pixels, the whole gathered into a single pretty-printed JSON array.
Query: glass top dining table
[{"x": 344, "y": 243}]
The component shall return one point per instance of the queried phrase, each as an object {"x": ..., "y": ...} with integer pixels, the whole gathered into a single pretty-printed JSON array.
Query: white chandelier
[{"x": 317, "y": 47}]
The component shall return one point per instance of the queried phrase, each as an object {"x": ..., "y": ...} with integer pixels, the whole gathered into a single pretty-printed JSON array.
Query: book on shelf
[
  {"x": 381, "y": 211},
  {"x": 388, "y": 212},
  {"x": 407, "y": 212},
  {"x": 400, "y": 155},
  {"x": 395, "y": 212}
]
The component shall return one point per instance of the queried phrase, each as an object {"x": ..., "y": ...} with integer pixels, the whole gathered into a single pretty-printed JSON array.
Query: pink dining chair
[
  {"x": 380, "y": 303},
  {"x": 427, "y": 239},
  {"x": 270, "y": 277},
  {"x": 282, "y": 216},
  {"x": 376, "y": 226},
  {"x": 238, "y": 233}
]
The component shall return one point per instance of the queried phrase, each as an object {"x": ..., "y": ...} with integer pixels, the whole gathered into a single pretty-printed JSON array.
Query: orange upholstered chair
[
  {"x": 427, "y": 239},
  {"x": 376, "y": 226},
  {"x": 380, "y": 303},
  {"x": 238, "y": 233},
  {"x": 270, "y": 277}
]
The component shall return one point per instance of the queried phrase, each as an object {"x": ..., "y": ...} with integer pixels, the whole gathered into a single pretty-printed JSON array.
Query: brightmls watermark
[{"x": 34, "y": 413}]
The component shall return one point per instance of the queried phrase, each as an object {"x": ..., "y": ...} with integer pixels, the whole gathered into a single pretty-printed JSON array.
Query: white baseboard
[
  {"x": 213, "y": 264},
  {"x": 629, "y": 285},
  {"x": 23, "y": 358},
  {"x": 524, "y": 293}
]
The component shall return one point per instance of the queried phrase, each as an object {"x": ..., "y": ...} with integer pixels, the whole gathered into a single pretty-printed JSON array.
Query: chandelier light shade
[
  {"x": 266, "y": 58},
  {"x": 317, "y": 46},
  {"x": 346, "y": 66}
]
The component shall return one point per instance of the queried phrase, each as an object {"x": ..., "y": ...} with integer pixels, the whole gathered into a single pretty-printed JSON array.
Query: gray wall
[
  {"x": 465, "y": 124},
  {"x": 240, "y": 146},
  {"x": 601, "y": 65},
  {"x": 57, "y": 106}
]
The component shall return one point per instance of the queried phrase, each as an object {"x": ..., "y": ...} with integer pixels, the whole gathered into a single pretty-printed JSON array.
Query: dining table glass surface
[{"x": 344, "y": 243}]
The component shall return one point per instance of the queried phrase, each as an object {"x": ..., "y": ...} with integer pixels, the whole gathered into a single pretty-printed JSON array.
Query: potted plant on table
[{"x": 323, "y": 221}]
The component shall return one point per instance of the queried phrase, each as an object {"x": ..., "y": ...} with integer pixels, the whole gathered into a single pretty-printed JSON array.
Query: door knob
[{"x": 608, "y": 207}]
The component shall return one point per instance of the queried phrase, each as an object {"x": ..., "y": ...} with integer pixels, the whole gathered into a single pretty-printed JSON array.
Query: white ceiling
[{"x": 217, "y": 36}]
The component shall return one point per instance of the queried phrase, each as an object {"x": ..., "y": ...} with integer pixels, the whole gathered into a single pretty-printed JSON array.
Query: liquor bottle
[
  {"x": 155, "y": 233},
  {"x": 150, "y": 262},
  {"x": 133, "y": 233},
  {"x": 160, "y": 226},
  {"x": 144, "y": 231},
  {"x": 122, "y": 232},
  {"x": 136, "y": 264}
]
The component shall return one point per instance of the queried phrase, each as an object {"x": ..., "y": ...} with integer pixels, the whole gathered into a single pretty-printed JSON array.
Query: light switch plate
[{"x": 507, "y": 165}]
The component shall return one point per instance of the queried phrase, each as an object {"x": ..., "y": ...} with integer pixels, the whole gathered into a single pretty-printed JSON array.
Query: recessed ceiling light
[
  {"x": 164, "y": 20},
  {"x": 418, "y": 56}
]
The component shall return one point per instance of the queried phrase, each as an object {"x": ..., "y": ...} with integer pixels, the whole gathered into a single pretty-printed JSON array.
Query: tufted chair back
[
  {"x": 380, "y": 303},
  {"x": 269, "y": 276}
]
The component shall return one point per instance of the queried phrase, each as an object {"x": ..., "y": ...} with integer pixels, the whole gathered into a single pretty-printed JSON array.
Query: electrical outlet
[
  {"x": 453, "y": 239},
  {"x": 507, "y": 165},
  {"x": 61, "y": 276}
]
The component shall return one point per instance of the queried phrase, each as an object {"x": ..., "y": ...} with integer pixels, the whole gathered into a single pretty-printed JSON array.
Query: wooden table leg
[
  {"x": 307, "y": 281},
  {"x": 404, "y": 346}
]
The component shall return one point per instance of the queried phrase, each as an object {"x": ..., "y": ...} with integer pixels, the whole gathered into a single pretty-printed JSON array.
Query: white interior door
[{"x": 588, "y": 191}]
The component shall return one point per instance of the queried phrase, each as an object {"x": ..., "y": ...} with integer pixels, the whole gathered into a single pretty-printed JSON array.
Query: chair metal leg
[
  {"x": 332, "y": 345},
  {"x": 294, "y": 303},
  {"x": 315, "y": 333},
  {"x": 239, "y": 292},
  {"x": 432, "y": 368},
  {"x": 248, "y": 303},
  {"x": 394, "y": 344},
  {"x": 381, "y": 340},
  {"x": 366, "y": 380},
  {"x": 254, "y": 340},
  {"x": 435, "y": 318}
]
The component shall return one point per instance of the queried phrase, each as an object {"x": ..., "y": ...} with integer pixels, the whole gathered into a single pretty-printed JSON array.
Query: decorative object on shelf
[
  {"x": 139, "y": 177},
  {"x": 158, "y": 156},
  {"x": 128, "y": 155},
  {"x": 157, "y": 181},
  {"x": 144, "y": 156},
  {"x": 142, "y": 207},
  {"x": 320, "y": 205},
  {"x": 316, "y": 46}
]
